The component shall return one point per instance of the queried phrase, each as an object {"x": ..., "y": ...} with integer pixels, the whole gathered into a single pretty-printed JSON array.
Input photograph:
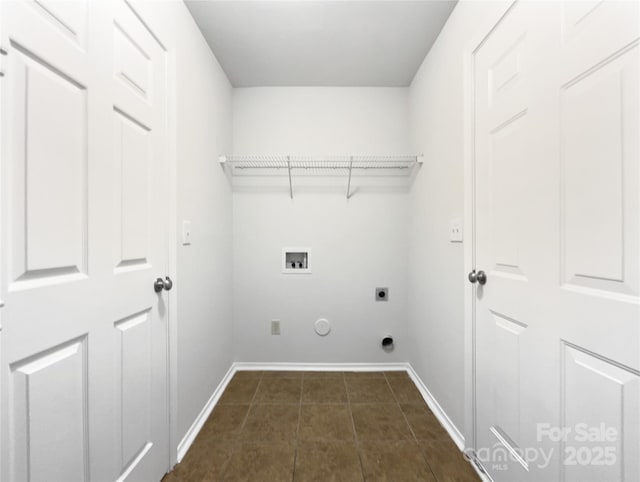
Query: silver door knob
[
  {"x": 168, "y": 284},
  {"x": 162, "y": 284},
  {"x": 480, "y": 277},
  {"x": 158, "y": 285}
]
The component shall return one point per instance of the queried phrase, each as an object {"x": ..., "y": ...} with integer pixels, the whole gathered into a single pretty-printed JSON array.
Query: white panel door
[
  {"x": 557, "y": 217},
  {"x": 84, "y": 235}
]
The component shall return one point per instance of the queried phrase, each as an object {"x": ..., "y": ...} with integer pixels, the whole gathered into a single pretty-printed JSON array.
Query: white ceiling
[{"x": 322, "y": 43}]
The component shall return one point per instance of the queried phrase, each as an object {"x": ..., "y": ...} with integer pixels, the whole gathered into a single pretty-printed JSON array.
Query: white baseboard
[
  {"x": 443, "y": 418},
  {"x": 322, "y": 367},
  {"x": 202, "y": 417},
  {"x": 437, "y": 410},
  {"x": 435, "y": 407}
]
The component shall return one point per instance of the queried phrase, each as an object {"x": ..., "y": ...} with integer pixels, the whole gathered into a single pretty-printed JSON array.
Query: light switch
[
  {"x": 455, "y": 230},
  {"x": 186, "y": 233}
]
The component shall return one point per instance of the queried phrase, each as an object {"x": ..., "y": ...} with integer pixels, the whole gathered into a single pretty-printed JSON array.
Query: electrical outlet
[
  {"x": 455, "y": 231},
  {"x": 275, "y": 327}
]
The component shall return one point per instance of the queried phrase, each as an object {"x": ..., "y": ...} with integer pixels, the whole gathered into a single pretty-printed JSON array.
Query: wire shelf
[{"x": 321, "y": 166}]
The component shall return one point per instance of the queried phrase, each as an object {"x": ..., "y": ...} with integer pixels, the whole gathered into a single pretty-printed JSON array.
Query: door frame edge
[{"x": 172, "y": 106}]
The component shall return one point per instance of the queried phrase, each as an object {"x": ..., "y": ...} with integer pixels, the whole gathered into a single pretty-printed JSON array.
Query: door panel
[
  {"x": 132, "y": 182},
  {"x": 615, "y": 394},
  {"x": 598, "y": 184},
  {"x": 49, "y": 414},
  {"x": 557, "y": 215},
  {"x": 134, "y": 368},
  {"x": 84, "y": 154},
  {"x": 507, "y": 370},
  {"x": 507, "y": 161},
  {"x": 48, "y": 220}
]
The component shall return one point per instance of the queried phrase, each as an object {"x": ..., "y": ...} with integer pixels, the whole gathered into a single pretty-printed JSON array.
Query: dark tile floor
[{"x": 322, "y": 426}]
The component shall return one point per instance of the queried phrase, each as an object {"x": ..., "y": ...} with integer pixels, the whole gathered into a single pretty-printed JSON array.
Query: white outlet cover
[
  {"x": 455, "y": 230},
  {"x": 322, "y": 327}
]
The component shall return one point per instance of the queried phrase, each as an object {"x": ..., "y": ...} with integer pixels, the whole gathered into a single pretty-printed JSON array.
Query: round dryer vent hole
[{"x": 323, "y": 327}]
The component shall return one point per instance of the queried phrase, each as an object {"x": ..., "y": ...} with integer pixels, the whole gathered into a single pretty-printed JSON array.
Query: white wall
[
  {"x": 436, "y": 272},
  {"x": 320, "y": 120},
  {"x": 204, "y": 269},
  {"x": 204, "y": 198},
  {"x": 357, "y": 244}
]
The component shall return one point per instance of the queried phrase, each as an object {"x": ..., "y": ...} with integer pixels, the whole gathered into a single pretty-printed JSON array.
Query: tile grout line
[
  {"x": 393, "y": 393},
  {"x": 353, "y": 425},
  {"x": 296, "y": 441},
  {"x": 238, "y": 441},
  {"x": 406, "y": 420}
]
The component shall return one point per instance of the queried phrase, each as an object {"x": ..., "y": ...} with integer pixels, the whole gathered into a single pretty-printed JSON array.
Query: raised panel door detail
[
  {"x": 48, "y": 174},
  {"x": 508, "y": 166},
  {"x": 132, "y": 63},
  {"x": 506, "y": 70},
  {"x": 599, "y": 178},
  {"x": 589, "y": 23},
  {"x": 578, "y": 14},
  {"x": 506, "y": 379},
  {"x": 68, "y": 16},
  {"x": 132, "y": 181},
  {"x": 134, "y": 341},
  {"x": 49, "y": 414},
  {"x": 603, "y": 397},
  {"x": 593, "y": 32}
]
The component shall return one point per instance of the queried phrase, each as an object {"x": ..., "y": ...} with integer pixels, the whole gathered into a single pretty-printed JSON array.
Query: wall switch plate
[
  {"x": 382, "y": 294},
  {"x": 275, "y": 327},
  {"x": 186, "y": 233},
  {"x": 455, "y": 231}
]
